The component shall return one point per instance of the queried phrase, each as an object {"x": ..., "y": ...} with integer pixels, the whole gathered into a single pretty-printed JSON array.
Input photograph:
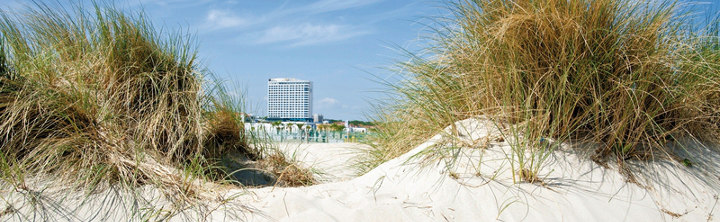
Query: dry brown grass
[
  {"x": 627, "y": 76},
  {"x": 288, "y": 172},
  {"x": 528, "y": 175},
  {"x": 99, "y": 98},
  {"x": 226, "y": 132}
]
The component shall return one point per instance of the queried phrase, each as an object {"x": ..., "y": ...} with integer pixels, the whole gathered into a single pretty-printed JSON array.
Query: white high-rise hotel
[{"x": 289, "y": 99}]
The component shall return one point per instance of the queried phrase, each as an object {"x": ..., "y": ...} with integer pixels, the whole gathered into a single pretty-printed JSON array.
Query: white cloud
[
  {"x": 307, "y": 34},
  {"x": 219, "y": 19},
  {"x": 328, "y": 101},
  {"x": 326, "y": 104},
  {"x": 292, "y": 27},
  {"x": 331, "y": 5}
]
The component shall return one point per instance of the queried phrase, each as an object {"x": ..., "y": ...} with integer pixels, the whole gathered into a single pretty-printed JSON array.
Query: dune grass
[
  {"x": 626, "y": 76},
  {"x": 100, "y": 98}
]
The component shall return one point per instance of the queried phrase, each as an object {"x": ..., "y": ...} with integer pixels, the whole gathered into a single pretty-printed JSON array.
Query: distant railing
[{"x": 315, "y": 136}]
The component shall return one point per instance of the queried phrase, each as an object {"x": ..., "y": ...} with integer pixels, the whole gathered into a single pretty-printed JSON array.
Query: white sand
[
  {"x": 575, "y": 190},
  {"x": 331, "y": 161},
  {"x": 402, "y": 190}
]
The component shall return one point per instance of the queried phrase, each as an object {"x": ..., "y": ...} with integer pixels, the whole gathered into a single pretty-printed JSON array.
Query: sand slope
[
  {"x": 332, "y": 162},
  {"x": 574, "y": 190},
  {"x": 414, "y": 188}
]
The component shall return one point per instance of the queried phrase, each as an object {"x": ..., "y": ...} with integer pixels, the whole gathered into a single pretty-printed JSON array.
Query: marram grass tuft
[
  {"x": 625, "y": 76},
  {"x": 100, "y": 97}
]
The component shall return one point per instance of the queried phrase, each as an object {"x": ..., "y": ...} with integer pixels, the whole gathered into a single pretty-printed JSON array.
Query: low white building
[{"x": 356, "y": 130}]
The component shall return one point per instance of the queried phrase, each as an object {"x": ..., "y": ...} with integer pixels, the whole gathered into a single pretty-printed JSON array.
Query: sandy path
[
  {"x": 403, "y": 189},
  {"x": 332, "y": 161}
]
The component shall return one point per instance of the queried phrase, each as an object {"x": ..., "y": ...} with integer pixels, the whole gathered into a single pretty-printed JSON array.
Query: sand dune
[
  {"x": 415, "y": 188},
  {"x": 572, "y": 190},
  {"x": 331, "y": 161}
]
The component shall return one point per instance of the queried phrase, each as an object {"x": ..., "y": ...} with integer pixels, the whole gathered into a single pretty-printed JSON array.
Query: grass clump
[
  {"x": 99, "y": 98},
  {"x": 625, "y": 76},
  {"x": 288, "y": 171}
]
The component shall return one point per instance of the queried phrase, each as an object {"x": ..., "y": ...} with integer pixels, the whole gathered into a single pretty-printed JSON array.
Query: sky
[
  {"x": 340, "y": 45},
  {"x": 344, "y": 46}
]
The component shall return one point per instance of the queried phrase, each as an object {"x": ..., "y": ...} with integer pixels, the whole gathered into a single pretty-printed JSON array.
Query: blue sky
[
  {"x": 337, "y": 44},
  {"x": 334, "y": 43},
  {"x": 343, "y": 46}
]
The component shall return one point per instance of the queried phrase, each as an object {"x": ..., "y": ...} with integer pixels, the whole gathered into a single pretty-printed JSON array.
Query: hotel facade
[{"x": 289, "y": 99}]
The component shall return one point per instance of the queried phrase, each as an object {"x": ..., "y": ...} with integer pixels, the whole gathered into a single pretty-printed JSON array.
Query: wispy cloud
[
  {"x": 307, "y": 34},
  {"x": 328, "y": 101},
  {"x": 330, "y": 6},
  {"x": 220, "y": 19},
  {"x": 292, "y": 26}
]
